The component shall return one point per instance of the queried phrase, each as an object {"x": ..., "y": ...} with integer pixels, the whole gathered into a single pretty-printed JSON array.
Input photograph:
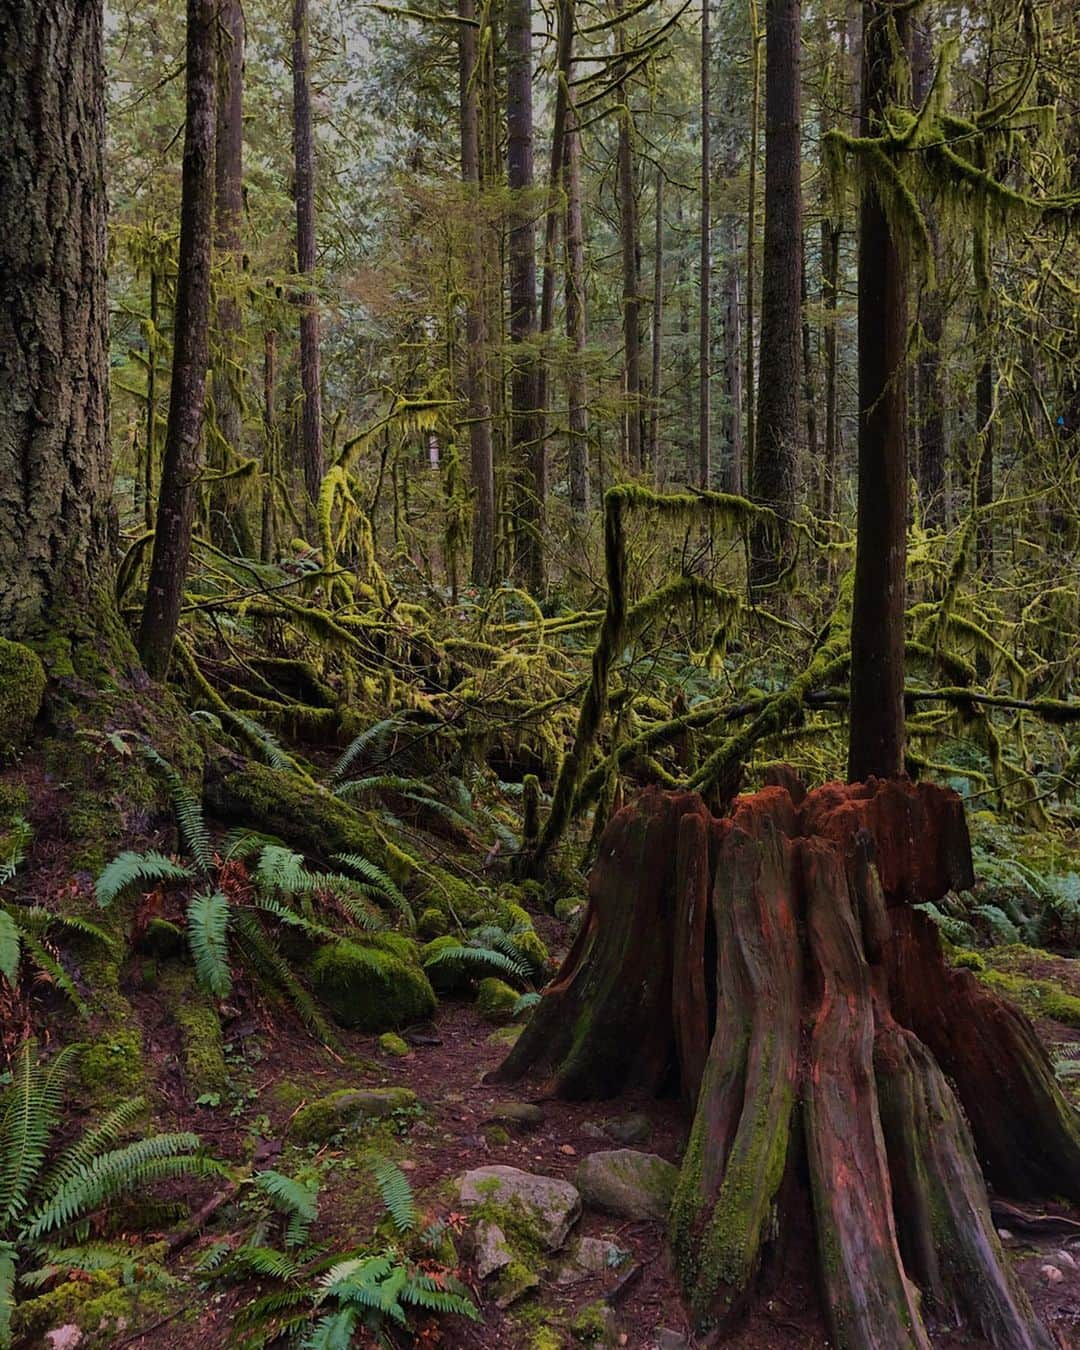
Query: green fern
[
  {"x": 15, "y": 847},
  {"x": 297, "y": 1200},
  {"x": 207, "y": 929},
  {"x": 189, "y": 812},
  {"x": 130, "y": 869},
  {"x": 396, "y": 1194},
  {"x": 370, "y": 739},
  {"x": 378, "y": 884},
  {"x": 479, "y": 960}
]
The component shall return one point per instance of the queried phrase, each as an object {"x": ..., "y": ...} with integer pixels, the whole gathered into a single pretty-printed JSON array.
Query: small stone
[
  {"x": 551, "y": 1206},
  {"x": 592, "y": 1131},
  {"x": 316, "y": 1122},
  {"x": 627, "y": 1183},
  {"x": 423, "y": 1036},
  {"x": 666, "y": 1339},
  {"x": 64, "y": 1338},
  {"x": 521, "y": 1115},
  {"x": 392, "y": 1044},
  {"x": 1004, "y": 1235},
  {"x": 568, "y": 1149},
  {"x": 589, "y": 1257},
  {"x": 632, "y": 1129},
  {"x": 491, "y": 1251},
  {"x": 1066, "y": 1259},
  {"x": 1051, "y": 1274},
  {"x": 516, "y": 1280}
]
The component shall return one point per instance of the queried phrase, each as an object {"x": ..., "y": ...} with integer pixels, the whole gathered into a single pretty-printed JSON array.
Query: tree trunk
[
  {"x": 183, "y": 434},
  {"x": 777, "y": 436},
  {"x": 771, "y": 964},
  {"x": 304, "y": 193},
  {"x": 631, "y": 283},
  {"x": 705, "y": 274},
  {"x": 733, "y": 468},
  {"x": 877, "y": 623},
  {"x": 659, "y": 471},
  {"x": 229, "y": 523},
  {"x": 151, "y": 401},
  {"x": 751, "y": 227},
  {"x": 526, "y": 444},
  {"x": 576, "y": 330},
  {"x": 481, "y": 457},
  {"x": 830, "y": 285},
  {"x": 55, "y": 480},
  {"x": 271, "y": 465},
  {"x": 808, "y": 370},
  {"x": 984, "y": 440}
]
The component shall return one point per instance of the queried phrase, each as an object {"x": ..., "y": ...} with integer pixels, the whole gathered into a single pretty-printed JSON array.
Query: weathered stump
[{"x": 770, "y": 966}]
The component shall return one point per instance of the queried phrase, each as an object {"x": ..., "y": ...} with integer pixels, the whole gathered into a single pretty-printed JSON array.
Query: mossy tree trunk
[{"x": 770, "y": 965}]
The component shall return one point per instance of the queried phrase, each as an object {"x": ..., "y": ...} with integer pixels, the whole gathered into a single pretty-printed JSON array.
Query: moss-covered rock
[
  {"x": 625, "y": 1182},
  {"x": 99, "y": 1303},
  {"x": 316, "y": 1122},
  {"x": 369, "y": 989},
  {"x": 22, "y": 687},
  {"x": 518, "y": 925},
  {"x": 496, "y": 1000},
  {"x": 162, "y": 940},
  {"x": 433, "y": 923},
  {"x": 390, "y": 1043},
  {"x": 593, "y": 1324},
  {"x": 507, "y": 1037},
  {"x": 448, "y": 977},
  {"x": 111, "y": 1068},
  {"x": 200, "y": 1032}
]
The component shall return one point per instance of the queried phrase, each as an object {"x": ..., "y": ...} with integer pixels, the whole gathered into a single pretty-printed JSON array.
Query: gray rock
[
  {"x": 320, "y": 1119},
  {"x": 666, "y": 1339},
  {"x": 633, "y": 1129},
  {"x": 521, "y": 1115},
  {"x": 549, "y": 1206},
  {"x": 589, "y": 1257},
  {"x": 593, "y": 1131},
  {"x": 627, "y": 1183},
  {"x": 491, "y": 1251}
]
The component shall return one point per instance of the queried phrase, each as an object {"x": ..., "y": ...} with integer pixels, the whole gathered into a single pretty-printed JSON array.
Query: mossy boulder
[
  {"x": 594, "y": 1324},
  {"x": 390, "y": 1043},
  {"x": 518, "y": 926},
  {"x": 98, "y": 1303},
  {"x": 319, "y": 1120},
  {"x": 535, "y": 1213},
  {"x": 627, "y": 1183},
  {"x": 496, "y": 1000},
  {"x": 369, "y": 989},
  {"x": 448, "y": 977},
  {"x": 432, "y": 923},
  {"x": 22, "y": 688}
]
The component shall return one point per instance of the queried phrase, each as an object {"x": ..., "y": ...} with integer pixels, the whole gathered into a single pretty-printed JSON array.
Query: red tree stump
[{"x": 770, "y": 966}]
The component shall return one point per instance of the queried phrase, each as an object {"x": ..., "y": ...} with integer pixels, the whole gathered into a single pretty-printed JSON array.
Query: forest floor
[{"x": 275, "y": 1068}]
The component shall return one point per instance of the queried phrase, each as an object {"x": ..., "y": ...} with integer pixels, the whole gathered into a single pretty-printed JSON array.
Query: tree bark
[
  {"x": 751, "y": 228},
  {"x": 877, "y": 623},
  {"x": 704, "y": 473},
  {"x": 576, "y": 322},
  {"x": 771, "y": 964},
  {"x": 659, "y": 471},
  {"x": 55, "y": 480},
  {"x": 229, "y": 525},
  {"x": 777, "y": 436},
  {"x": 631, "y": 282},
  {"x": 183, "y": 435},
  {"x": 481, "y": 458},
  {"x": 304, "y": 194},
  {"x": 526, "y": 444},
  {"x": 733, "y": 468}
]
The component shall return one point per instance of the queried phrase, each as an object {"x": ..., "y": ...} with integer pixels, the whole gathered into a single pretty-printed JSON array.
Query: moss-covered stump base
[{"x": 770, "y": 966}]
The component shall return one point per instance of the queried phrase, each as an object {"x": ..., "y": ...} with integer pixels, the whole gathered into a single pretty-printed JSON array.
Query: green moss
[
  {"x": 964, "y": 959},
  {"x": 321, "y": 1119},
  {"x": 1038, "y": 998},
  {"x": 518, "y": 925},
  {"x": 200, "y": 1033},
  {"x": 591, "y": 1323},
  {"x": 397, "y": 944},
  {"x": 449, "y": 977},
  {"x": 569, "y": 907},
  {"x": 496, "y": 1135},
  {"x": 111, "y": 1068},
  {"x": 546, "y": 1338},
  {"x": 22, "y": 688},
  {"x": 163, "y": 939},
  {"x": 514, "y": 1281},
  {"x": 392, "y": 1044},
  {"x": 496, "y": 1000},
  {"x": 98, "y": 1303},
  {"x": 432, "y": 923},
  {"x": 370, "y": 989},
  {"x": 506, "y": 1036}
]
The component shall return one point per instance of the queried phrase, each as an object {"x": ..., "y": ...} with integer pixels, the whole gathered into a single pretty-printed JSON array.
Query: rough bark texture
[
  {"x": 631, "y": 284},
  {"x": 526, "y": 444},
  {"x": 658, "y": 471},
  {"x": 777, "y": 438},
  {"x": 229, "y": 522},
  {"x": 771, "y": 966},
  {"x": 481, "y": 457},
  {"x": 733, "y": 465},
  {"x": 183, "y": 434},
  {"x": 877, "y": 621},
  {"x": 576, "y": 329},
  {"x": 704, "y": 471},
  {"x": 304, "y": 193},
  {"x": 54, "y": 453}
]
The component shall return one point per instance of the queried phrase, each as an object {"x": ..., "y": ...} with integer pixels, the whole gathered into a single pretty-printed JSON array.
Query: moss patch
[
  {"x": 496, "y": 1000},
  {"x": 99, "y": 1303},
  {"x": 22, "y": 688},
  {"x": 392, "y": 1044},
  {"x": 370, "y": 989},
  {"x": 319, "y": 1120}
]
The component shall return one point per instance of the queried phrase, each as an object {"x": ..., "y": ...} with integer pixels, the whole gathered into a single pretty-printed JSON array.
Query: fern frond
[
  {"x": 271, "y": 749},
  {"x": 263, "y": 957},
  {"x": 377, "y": 879},
  {"x": 70, "y": 923},
  {"x": 280, "y": 869},
  {"x": 77, "y": 1157},
  {"x": 265, "y": 1261},
  {"x": 189, "y": 812},
  {"x": 31, "y": 1110},
  {"x": 10, "y": 947},
  {"x": 46, "y": 962},
  {"x": 7, "y": 1292},
  {"x": 334, "y": 1331},
  {"x": 450, "y": 1298},
  {"x": 15, "y": 851},
  {"x": 208, "y": 925},
  {"x": 482, "y": 960},
  {"x": 371, "y": 738},
  {"x": 396, "y": 1194},
  {"x": 129, "y": 869},
  {"x": 289, "y": 1196}
]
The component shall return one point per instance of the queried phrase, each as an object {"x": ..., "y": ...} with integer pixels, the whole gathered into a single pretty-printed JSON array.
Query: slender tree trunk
[
  {"x": 228, "y": 522},
  {"x": 658, "y": 470},
  {"x": 479, "y": 407},
  {"x": 775, "y": 464},
  {"x": 304, "y": 193},
  {"x": 705, "y": 272},
  {"x": 183, "y": 434},
  {"x": 55, "y": 480},
  {"x": 270, "y": 443},
  {"x": 830, "y": 278},
  {"x": 751, "y": 227},
  {"x": 984, "y": 426},
  {"x": 930, "y": 460},
  {"x": 877, "y": 621},
  {"x": 576, "y": 331},
  {"x": 631, "y": 285},
  {"x": 808, "y": 371},
  {"x": 151, "y": 401},
  {"x": 526, "y": 444},
  {"x": 733, "y": 365}
]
